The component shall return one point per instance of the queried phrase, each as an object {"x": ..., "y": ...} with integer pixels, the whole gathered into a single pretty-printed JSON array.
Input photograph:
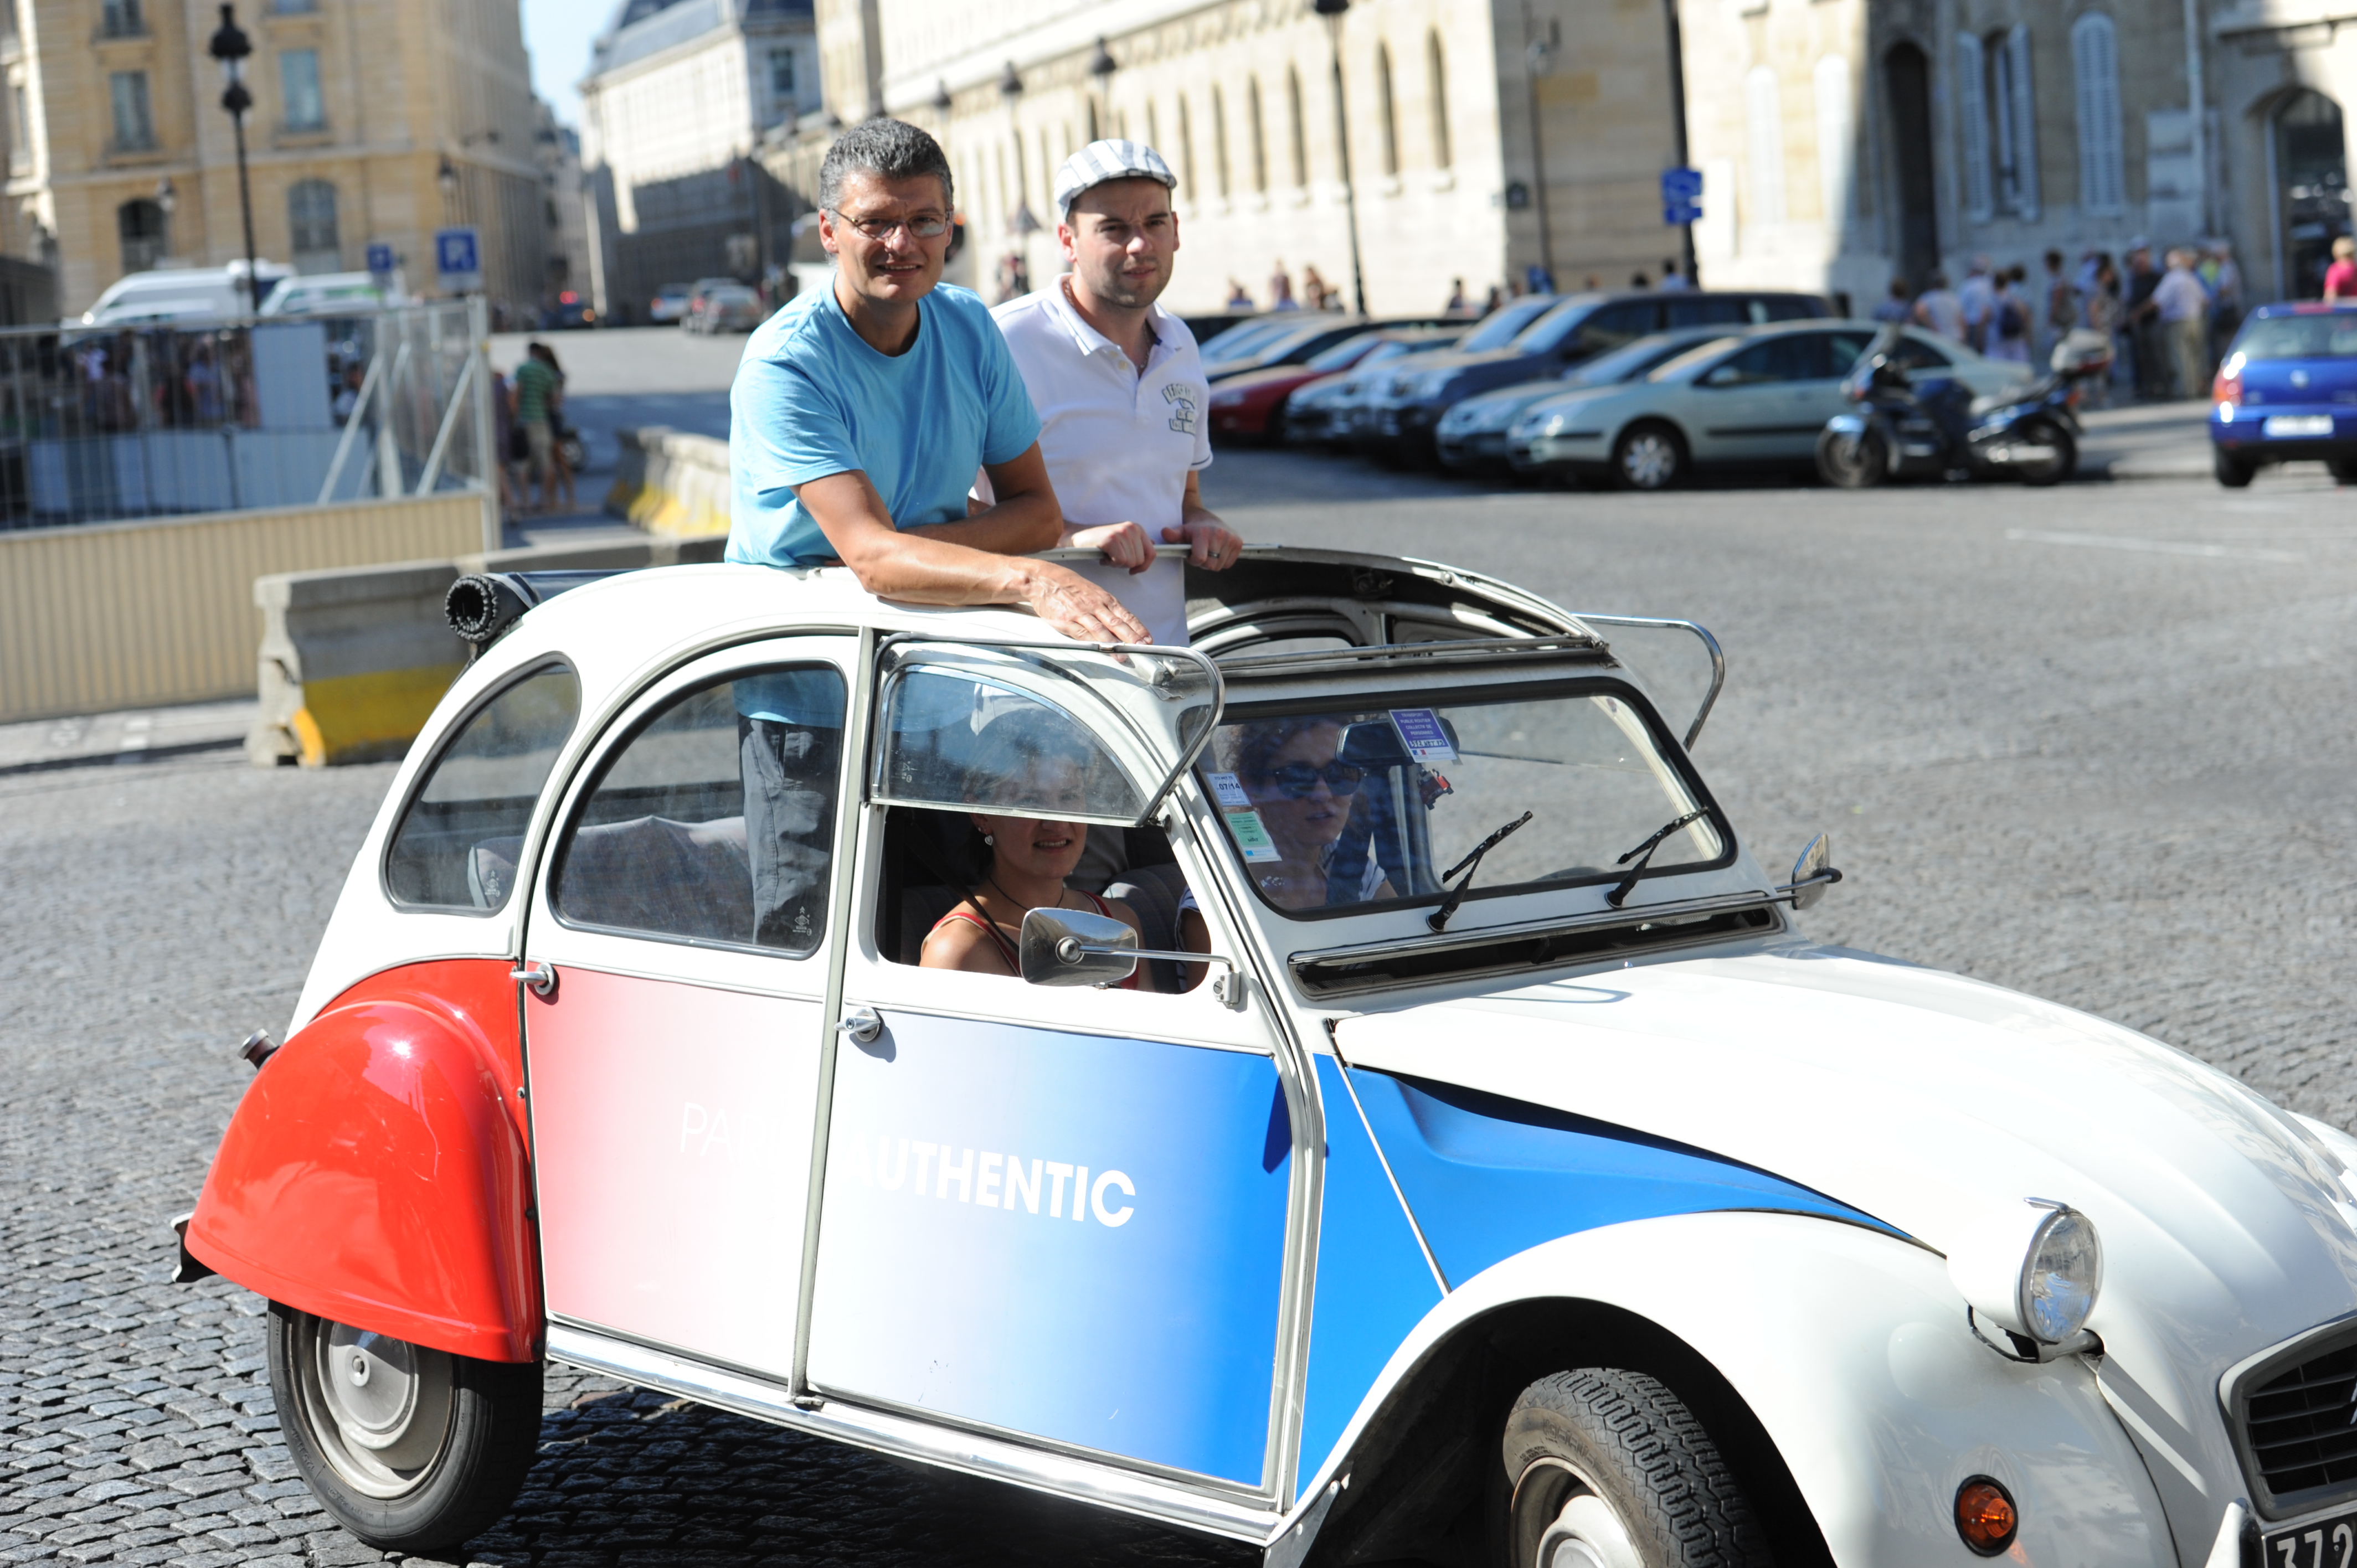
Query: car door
[
  {"x": 1767, "y": 401},
  {"x": 672, "y": 1059},
  {"x": 1057, "y": 1212}
]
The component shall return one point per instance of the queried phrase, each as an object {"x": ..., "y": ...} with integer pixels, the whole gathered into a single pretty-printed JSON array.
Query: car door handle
[
  {"x": 860, "y": 1023},
  {"x": 541, "y": 977}
]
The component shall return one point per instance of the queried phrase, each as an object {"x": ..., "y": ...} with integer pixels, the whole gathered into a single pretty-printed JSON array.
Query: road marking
[{"x": 2155, "y": 546}]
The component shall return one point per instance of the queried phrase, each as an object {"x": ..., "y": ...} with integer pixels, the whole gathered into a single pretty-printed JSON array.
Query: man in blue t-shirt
[{"x": 858, "y": 418}]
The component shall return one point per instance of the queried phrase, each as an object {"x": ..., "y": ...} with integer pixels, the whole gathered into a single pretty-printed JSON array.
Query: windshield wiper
[
  {"x": 1644, "y": 852},
  {"x": 1439, "y": 919}
]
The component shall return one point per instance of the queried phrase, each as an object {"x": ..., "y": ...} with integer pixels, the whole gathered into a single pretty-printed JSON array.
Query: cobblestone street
[{"x": 2091, "y": 742}]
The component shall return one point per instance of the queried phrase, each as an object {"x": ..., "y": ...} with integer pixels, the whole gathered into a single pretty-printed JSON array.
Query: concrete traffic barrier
[
  {"x": 353, "y": 660},
  {"x": 670, "y": 483}
]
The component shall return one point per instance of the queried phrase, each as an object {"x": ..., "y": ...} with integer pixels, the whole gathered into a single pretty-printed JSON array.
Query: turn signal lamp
[
  {"x": 1985, "y": 1516},
  {"x": 2226, "y": 392},
  {"x": 2033, "y": 1271}
]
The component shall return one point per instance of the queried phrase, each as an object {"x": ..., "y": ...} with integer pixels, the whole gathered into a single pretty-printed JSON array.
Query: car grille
[{"x": 2295, "y": 1417}]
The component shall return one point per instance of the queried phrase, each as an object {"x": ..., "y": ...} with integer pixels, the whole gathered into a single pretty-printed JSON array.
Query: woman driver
[
  {"x": 1025, "y": 859},
  {"x": 1294, "y": 775}
]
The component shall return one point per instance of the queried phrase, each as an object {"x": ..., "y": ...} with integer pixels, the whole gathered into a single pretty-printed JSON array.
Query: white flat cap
[{"x": 1100, "y": 161}]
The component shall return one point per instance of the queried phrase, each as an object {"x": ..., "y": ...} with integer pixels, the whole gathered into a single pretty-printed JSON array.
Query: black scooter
[{"x": 1910, "y": 427}]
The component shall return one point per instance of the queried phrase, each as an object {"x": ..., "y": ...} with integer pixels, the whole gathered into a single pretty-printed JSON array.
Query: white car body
[
  {"x": 165, "y": 294},
  {"x": 1902, "y": 1114}
]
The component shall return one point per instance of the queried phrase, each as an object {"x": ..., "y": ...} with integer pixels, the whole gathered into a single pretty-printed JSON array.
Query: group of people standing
[
  {"x": 2168, "y": 324},
  {"x": 526, "y": 408}
]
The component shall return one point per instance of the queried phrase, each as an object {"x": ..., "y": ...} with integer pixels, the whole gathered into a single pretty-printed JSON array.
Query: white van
[
  {"x": 326, "y": 293},
  {"x": 182, "y": 294}
]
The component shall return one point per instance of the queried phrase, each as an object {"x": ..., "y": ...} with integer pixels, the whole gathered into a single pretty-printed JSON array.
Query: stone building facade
[
  {"x": 371, "y": 123},
  {"x": 1439, "y": 96},
  {"x": 1844, "y": 142},
  {"x": 678, "y": 95}
]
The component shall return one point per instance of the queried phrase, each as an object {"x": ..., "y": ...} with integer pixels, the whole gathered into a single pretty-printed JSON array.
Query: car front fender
[
  {"x": 377, "y": 1172},
  {"x": 1853, "y": 1351}
]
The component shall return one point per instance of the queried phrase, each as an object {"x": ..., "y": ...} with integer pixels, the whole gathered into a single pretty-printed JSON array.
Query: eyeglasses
[
  {"x": 1297, "y": 779},
  {"x": 925, "y": 226}
]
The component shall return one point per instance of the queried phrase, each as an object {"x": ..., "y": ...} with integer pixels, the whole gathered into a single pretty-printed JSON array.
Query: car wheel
[
  {"x": 1609, "y": 1469},
  {"x": 2344, "y": 470},
  {"x": 2233, "y": 472},
  {"x": 2056, "y": 468},
  {"x": 1852, "y": 462},
  {"x": 410, "y": 1449},
  {"x": 1649, "y": 457}
]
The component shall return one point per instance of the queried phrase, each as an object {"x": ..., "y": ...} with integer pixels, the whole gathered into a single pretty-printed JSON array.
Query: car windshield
[
  {"x": 1631, "y": 361},
  {"x": 2320, "y": 336},
  {"x": 1336, "y": 809},
  {"x": 1349, "y": 352},
  {"x": 1244, "y": 342},
  {"x": 1507, "y": 324}
]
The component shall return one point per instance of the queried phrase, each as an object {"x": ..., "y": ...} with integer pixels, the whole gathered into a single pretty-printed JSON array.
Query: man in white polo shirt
[{"x": 1119, "y": 386}]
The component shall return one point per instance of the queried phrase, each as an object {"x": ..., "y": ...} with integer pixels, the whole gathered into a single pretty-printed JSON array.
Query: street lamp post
[
  {"x": 168, "y": 200},
  {"x": 1332, "y": 11},
  {"x": 229, "y": 46}
]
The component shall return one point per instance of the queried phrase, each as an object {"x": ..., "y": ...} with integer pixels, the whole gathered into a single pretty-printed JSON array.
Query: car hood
[
  {"x": 1934, "y": 1101},
  {"x": 1279, "y": 376}
]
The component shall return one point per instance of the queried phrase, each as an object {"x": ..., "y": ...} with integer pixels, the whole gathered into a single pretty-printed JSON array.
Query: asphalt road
[{"x": 2091, "y": 742}]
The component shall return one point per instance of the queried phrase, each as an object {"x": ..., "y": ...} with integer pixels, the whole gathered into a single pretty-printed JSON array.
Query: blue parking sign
[
  {"x": 380, "y": 257},
  {"x": 458, "y": 257},
  {"x": 1681, "y": 187},
  {"x": 1681, "y": 212}
]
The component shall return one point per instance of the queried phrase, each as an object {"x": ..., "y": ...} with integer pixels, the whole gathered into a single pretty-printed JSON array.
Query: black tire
[
  {"x": 1650, "y": 456},
  {"x": 448, "y": 1439},
  {"x": 1853, "y": 464},
  {"x": 2054, "y": 469},
  {"x": 1602, "y": 1452},
  {"x": 2233, "y": 472},
  {"x": 2344, "y": 470}
]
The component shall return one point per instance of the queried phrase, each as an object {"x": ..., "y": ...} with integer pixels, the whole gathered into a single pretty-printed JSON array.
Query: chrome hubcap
[
  {"x": 1587, "y": 1534},
  {"x": 380, "y": 1407},
  {"x": 1649, "y": 461}
]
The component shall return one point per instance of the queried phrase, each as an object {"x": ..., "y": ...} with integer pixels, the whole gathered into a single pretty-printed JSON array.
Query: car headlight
[{"x": 2035, "y": 1274}]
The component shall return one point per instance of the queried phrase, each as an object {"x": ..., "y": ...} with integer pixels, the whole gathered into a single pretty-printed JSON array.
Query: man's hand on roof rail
[{"x": 978, "y": 560}]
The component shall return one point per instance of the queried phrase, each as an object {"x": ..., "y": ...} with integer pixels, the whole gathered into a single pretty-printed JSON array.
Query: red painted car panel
[{"x": 378, "y": 1171}]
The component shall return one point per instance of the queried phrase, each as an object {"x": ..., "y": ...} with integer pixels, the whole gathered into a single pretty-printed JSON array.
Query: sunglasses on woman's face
[{"x": 1297, "y": 779}]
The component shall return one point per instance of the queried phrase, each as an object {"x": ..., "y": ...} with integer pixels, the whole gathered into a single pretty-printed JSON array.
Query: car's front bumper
[
  {"x": 1569, "y": 451},
  {"x": 1471, "y": 449}
]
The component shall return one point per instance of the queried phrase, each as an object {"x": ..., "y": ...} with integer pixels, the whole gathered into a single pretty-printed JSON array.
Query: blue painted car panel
[
  {"x": 1373, "y": 1286},
  {"x": 959, "y": 1272}
]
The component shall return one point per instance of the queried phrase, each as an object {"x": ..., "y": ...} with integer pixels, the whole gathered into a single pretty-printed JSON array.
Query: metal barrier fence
[{"x": 110, "y": 423}]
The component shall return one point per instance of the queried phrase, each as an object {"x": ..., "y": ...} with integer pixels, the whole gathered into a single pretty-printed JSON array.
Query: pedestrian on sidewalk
[
  {"x": 1457, "y": 303},
  {"x": 2064, "y": 311},
  {"x": 2224, "y": 281},
  {"x": 1895, "y": 308},
  {"x": 537, "y": 388},
  {"x": 2104, "y": 316},
  {"x": 2010, "y": 320},
  {"x": 2182, "y": 307},
  {"x": 1239, "y": 297},
  {"x": 1942, "y": 309},
  {"x": 1977, "y": 299},
  {"x": 2141, "y": 319},
  {"x": 1672, "y": 280},
  {"x": 1280, "y": 289},
  {"x": 2341, "y": 277}
]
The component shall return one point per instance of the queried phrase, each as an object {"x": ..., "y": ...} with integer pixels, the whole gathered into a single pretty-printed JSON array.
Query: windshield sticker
[
  {"x": 1420, "y": 730},
  {"x": 1251, "y": 836},
  {"x": 1228, "y": 792}
]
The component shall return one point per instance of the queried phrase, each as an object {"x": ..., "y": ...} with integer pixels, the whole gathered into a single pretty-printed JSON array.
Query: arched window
[
  {"x": 311, "y": 222},
  {"x": 1834, "y": 134},
  {"x": 1973, "y": 125},
  {"x": 1763, "y": 123},
  {"x": 1259, "y": 137},
  {"x": 1386, "y": 119},
  {"x": 1437, "y": 78},
  {"x": 2095, "y": 70},
  {"x": 2014, "y": 116},
  {"x": 1220, "y": 139},
  {"x": 140, "y": 226},
  {"x": 1294, "y": 124},
  {"x": 1907, "y": 95}
]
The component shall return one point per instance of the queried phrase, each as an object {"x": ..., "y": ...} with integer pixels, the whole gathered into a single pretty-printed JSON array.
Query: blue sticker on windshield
[{"x": 1420, "y": 731}]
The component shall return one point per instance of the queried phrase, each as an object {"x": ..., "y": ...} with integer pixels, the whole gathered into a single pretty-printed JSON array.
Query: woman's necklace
[{"x": 1003, "y": 893}]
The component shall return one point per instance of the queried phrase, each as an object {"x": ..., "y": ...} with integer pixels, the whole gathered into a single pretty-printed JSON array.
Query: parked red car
[{"x": 1251, "y": 406}]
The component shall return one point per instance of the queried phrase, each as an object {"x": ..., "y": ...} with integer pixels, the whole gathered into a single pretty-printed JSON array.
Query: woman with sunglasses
[{"x": 1297, "y": 780}]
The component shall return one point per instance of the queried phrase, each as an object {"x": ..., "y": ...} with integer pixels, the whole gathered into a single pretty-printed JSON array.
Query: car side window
[
  {"x": 1793, "y": 359},
  {"x": 456, "y": 845},
  {"x": 1616, "y": 324},
  {"x": 1914, "y": 354},
  {"x": 1708, "y": 310},
  {"x": 714, "y": 821}
]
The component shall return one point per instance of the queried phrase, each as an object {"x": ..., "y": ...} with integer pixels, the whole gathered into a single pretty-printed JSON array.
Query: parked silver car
[
  {"x": 1473, "y": 433},
  {"x": 1751, "y": 398}
]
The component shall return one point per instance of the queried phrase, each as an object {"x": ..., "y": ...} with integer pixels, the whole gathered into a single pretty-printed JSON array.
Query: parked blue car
[{"x": 2288, "y": 389}]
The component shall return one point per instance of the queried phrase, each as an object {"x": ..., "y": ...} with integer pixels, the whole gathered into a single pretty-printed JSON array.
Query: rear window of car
[
  {"x": 457, "y": 844},
  {"x": 2319, "y": 336},
  {"x": 1502, "y": 328}
]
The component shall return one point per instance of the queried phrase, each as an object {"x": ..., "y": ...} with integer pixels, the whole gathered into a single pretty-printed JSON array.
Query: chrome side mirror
[
  {"x": 1072, "y": 947},
  {"x": 1812, "y": 873}
]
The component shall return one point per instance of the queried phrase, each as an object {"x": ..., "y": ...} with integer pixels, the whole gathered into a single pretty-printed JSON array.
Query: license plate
[
  {"x": 2292, "y": 425},
  {"x": 2326, "y": 1543}
]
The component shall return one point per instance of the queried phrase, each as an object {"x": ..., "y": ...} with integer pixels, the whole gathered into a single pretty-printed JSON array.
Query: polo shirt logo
[{"x": 1184, "y": 396}]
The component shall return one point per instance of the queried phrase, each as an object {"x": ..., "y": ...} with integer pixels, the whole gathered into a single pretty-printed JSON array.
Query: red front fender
[{"x": 377, "y": 1172}]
